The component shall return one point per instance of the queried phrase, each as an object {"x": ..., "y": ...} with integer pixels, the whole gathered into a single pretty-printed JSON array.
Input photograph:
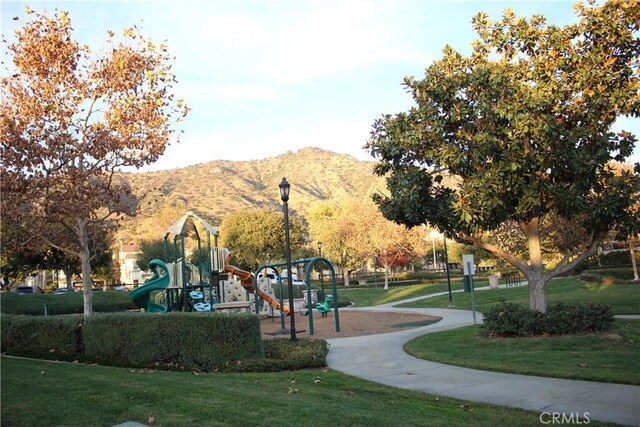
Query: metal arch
[
  {"x": 310, "y": 265},
  {"x": 310, "y": 262}
]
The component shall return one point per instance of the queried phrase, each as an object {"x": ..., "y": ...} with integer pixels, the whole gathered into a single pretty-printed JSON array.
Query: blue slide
[{"x": 142, "y": 296}]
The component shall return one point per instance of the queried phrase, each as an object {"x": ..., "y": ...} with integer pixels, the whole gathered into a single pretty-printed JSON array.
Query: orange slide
[{"x": 246, "y": 280}]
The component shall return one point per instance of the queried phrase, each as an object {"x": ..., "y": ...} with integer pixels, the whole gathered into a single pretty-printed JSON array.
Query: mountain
[{"x": 220, "y": 187}]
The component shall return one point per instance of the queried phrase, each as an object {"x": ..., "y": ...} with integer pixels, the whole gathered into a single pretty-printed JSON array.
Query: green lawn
[
  {"x": 623, "y": 299},
  {"x": 366, "y": 297},
  {"x": 604, "y": 357},
  {"x": 46, "y": 393}
]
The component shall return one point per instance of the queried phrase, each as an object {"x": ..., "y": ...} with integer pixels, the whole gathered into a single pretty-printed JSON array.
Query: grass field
[
  {"x": 366, "y": 297},
  {"x": 46, "y": 393},
  {"x": 623, "y": 299},
  {"x": 603, "y": 357}
]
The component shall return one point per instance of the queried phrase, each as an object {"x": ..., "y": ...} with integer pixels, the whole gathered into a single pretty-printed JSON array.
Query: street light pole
[
  {"x": 284, "y": 195},
  {"x": 433, "y": 244},
  {"x": 446, "y": 261},
  {"x": 321, "y": 275}
]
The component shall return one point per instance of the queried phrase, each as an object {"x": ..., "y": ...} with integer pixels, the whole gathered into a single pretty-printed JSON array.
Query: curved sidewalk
[{"x": 381, "y": 358}]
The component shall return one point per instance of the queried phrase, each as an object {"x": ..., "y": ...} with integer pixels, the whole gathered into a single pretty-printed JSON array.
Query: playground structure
[
  {"x": 209, "y": 285},
  {"x": 141, "y": 295}
]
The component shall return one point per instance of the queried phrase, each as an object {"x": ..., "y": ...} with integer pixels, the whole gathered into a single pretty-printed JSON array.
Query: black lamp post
[
  {"x": 321, "y": 275},
  {"x": 284, "y": 195}
]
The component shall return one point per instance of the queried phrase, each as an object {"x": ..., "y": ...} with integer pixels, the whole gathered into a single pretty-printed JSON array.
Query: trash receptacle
[
  {"x": 466, "y": 281},
  {"x": 494, "y": 282}
]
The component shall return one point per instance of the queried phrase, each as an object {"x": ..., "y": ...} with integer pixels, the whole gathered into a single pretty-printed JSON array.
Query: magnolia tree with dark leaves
[
  {"x": 524, "y": 124},
  {"x": 72, "y": 118}
]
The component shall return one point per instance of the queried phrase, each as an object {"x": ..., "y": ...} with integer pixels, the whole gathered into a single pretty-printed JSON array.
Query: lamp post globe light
[{"x": 284, "y": 195}]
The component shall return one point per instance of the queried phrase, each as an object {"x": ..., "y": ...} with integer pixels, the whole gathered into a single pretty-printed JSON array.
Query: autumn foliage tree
[
  {"x": 525, "y": 124},
  {"x": 353, "y": 232},
  {"x": 70, "y": 119}
]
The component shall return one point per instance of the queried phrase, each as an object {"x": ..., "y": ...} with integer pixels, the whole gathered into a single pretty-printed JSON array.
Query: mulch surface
[{"x": 352, "y": 323}]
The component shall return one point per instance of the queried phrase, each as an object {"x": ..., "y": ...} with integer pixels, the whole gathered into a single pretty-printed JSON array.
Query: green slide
[{"x": 142, "y": 296}]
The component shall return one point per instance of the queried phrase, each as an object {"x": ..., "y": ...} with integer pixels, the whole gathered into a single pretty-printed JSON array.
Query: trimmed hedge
[
  {"x": 178, "y": 341},
  {"x": 71, "y": 303},
  {"x": 608, "y": 275},
  {"x": 42, "y": 337},
  {"x": 516, "y": 320},
  {"x": 194, "y": 341}
]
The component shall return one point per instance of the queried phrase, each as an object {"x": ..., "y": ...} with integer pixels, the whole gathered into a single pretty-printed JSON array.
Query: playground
[
  {"x": 352, "y": 323},
  {"x": 200, "y": 278}
]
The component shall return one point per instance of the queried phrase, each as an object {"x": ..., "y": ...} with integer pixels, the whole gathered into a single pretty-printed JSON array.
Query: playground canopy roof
[{"x": 187, "y": 226}]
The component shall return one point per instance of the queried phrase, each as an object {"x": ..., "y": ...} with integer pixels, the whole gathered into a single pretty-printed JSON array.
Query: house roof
[{"x": 130, "y": 248}]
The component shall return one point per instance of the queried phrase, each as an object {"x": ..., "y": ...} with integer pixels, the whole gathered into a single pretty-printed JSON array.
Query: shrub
[
  {"x": 617, "y": 258},
  {"x": 71, "y": 303},
  {"x": 509, "y": 319},
  {"x": 608, "y": 275},
  {"x": 199, "y": 341},
  {"x": 51, "y": 336},
  {"x": 180, "y": 341},
  {"x": 573, "y": 318}
]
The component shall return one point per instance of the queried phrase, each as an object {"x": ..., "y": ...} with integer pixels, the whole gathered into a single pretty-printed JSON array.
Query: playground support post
[{"x": 284, "y": 194}]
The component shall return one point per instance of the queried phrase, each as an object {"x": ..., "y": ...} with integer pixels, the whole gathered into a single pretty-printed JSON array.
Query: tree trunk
[
  {"x": 68, "y": 273},
  {"x": 346, "y": 278},
  {"x": 534, "y": 272},
  {"x": 537, "y": 300},
  {"x": 632, "y": 242},
  {"x": 386, "y": 277},
  {"x": 85, "y": 258}
]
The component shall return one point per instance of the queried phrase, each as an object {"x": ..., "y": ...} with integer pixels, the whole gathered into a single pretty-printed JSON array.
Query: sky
[{"x": 267, "y": 77}]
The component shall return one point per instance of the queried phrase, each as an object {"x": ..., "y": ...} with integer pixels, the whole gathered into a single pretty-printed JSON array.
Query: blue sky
[{"x": 267, "y": 77}]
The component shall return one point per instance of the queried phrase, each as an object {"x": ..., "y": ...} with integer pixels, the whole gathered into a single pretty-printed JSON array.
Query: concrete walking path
[{"x": 381, "y": 358}]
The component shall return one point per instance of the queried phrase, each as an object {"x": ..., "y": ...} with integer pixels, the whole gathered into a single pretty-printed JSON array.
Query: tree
[
  {"x": 337, "y": 226},
  {"x": 256, "y": 236},
  {"x": 352, "y": 232},
  {"x": 390, "y": 242},
  {"x": 70, "y": 119},
  {"x": 525, "y": 125},
  {"x": 149, "y": 250},
  {"x": 627, "y": 226}
]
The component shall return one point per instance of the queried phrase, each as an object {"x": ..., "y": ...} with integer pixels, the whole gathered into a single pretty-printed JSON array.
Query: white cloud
[
  {"x": 287, "y": 42},
  {"x": 228, "y": 92}
]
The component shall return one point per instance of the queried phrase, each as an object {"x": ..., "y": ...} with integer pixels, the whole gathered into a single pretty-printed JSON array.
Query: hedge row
[
  {"x": 193, "y": 341},
  {"x": 608, "y": 276},
  {"x": 71, "y": 303},
  {"x": 510, "y": 319},
  {"x": 179, "y": 341},
  {"x": 42, "y": 337}
]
